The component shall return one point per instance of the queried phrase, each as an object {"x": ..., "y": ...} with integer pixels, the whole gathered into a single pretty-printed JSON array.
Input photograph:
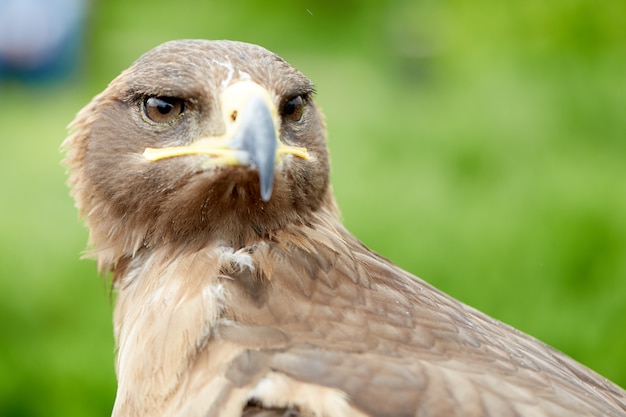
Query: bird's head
[{"x": 198, "y": 141}]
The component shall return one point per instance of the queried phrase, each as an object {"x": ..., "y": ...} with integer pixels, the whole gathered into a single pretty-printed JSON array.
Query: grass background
[{"x": 480, "y": 145}]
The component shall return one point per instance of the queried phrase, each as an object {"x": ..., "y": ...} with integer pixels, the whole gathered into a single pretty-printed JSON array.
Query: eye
[
  {"x": 163, "y": 109},
  {"x": 293, "y": 109}
]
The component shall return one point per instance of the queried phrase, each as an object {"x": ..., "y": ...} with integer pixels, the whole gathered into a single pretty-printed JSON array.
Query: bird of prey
[{"x": 203, "y": 175}]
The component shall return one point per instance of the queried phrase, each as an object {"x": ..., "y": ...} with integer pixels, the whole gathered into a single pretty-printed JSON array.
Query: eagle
[{"x": 202, "y": 174}]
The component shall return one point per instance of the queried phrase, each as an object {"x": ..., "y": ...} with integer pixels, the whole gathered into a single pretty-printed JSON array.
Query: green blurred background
[{"x": 478, "y": 144}]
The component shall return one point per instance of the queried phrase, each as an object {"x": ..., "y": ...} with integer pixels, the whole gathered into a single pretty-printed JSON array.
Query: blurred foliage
[{"x": 480, "y": 145}]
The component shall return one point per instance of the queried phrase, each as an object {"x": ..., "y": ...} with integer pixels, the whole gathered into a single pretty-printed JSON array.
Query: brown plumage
[{"x": 202, "y": 174}]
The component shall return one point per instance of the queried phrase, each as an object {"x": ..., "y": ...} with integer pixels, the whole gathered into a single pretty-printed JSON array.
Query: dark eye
[
  {"x": 163, "y": 109},
  {"x": 293, "y": 109}
]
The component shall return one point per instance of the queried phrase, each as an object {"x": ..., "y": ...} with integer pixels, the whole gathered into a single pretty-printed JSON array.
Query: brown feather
[{"x": 231, "y": 306}]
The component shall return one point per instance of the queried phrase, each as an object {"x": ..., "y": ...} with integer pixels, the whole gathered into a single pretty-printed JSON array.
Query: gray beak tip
[
  {"x": 257, "y": 136},
  {"x": 266, "y": 193}
]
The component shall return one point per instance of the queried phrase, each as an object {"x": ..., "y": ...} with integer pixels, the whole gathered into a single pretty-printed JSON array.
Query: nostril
[{"x": 233, "y": 115}]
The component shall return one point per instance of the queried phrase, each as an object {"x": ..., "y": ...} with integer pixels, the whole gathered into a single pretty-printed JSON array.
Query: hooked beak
[{"x": 251, "y": 137}]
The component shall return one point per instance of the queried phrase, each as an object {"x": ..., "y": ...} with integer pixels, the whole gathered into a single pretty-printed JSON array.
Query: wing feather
[{"x": 397, "y": 346}]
